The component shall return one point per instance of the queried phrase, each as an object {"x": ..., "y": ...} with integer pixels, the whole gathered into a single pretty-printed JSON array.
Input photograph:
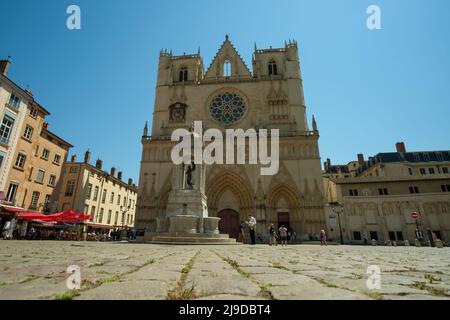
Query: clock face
[{"x": 227, "y": 108}]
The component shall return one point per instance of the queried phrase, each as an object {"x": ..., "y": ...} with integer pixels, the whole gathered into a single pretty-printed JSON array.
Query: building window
[
  {"x": 92, "y": 213},
  {"x": 413, "y": 189},
  {"x": 73, "y": 170},
  {"x": 410, "y": 171},
  {"x": 28, "y": 133},
  {"x": 227, "y": 68},
  {"x": 45, "y": 154},
  {"x": 116, "y": 219},
  {"x": 100, "y": 216},
  {"x": 356, "y": 235},
  {"x": 12, "y": 190},
  {"x": 423, "y": 171},
  {"x": 395, "y": 235},
  {"x": 118, "y": 199},
  {"x": 112, "y": 198},
  {"x": 33, "y": 112},
  {"x": 353, "y": 192},
  {"x": 57, "y": 159},
  {"x": 109, "y": 217},
  {"x": 52, "y": 180},
  {"x": 35, "y": 199},
  {"x": 47, "y": 203},
  {"x": 40, "y": 176},
  {"x": 14, "y": 101},
  {"x": 445, "y": 188},
  {"x": 96, "y": 190},
  {"x": 20, "y": 161},
  {"x": 383, "y": 191},
  {"x": 70, "y": 188},
  {"x": 183, "y": 74},
  {"x": 273, "y": 71},
  {"x": 89, "y": 191},
  {"x": 2, "y": 156},
  {"x": 104, "y": 196},
  {"x": 373, "y": 235},
  {"x": 6, "y": 128},
  {"x": 86, "y": 209},
  {"x": 431, "y": 170},
  {"x": 445, "y": 170}
]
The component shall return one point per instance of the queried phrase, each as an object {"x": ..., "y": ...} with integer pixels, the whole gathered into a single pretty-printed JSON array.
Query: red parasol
[{"x": 66, "y": 216}]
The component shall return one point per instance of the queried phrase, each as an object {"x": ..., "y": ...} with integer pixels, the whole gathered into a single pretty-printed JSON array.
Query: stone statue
[{"x": 190, "y": 169}]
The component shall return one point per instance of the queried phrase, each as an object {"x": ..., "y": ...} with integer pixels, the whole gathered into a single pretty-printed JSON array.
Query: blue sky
[{"x": 367, "y": 89}]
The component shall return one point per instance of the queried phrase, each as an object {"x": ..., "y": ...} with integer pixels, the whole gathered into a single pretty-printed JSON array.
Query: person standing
[
  {"x": 273, "y": 235},
  {"x": 283, "y": 235},
  {"x": 252, "y": 226},
  {"x": 323, "y": 238},
  {"x": 242, "y": 232}
]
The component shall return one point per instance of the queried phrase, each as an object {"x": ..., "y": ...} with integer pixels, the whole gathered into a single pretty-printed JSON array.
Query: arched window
[
  {"x": 183, "y": 74},
  {"x": 273, "y": 68},
  {"x": 227, "y": 68}
]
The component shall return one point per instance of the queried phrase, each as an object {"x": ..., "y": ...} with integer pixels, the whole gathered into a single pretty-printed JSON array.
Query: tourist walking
[
  {"x": 272, "y": 235},
  {"x": 323, "y": 238},
  {"x": 283, "y": 235},
  {"x": 242, "y": 231},
  {"x": 252, "y": 226}
]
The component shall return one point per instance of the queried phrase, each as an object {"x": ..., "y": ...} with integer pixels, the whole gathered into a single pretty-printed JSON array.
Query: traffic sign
[{"x": 414, "y": 215}]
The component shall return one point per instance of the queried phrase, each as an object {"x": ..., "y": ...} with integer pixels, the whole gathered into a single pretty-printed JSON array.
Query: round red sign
[{"x": 414, "y": 215}]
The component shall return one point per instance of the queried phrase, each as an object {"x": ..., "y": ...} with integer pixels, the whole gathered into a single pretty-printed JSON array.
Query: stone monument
[{"x": 186, "y": 219}]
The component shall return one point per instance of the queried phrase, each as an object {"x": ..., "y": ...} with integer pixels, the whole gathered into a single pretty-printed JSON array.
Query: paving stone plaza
[{"x": 37, "y": 270}]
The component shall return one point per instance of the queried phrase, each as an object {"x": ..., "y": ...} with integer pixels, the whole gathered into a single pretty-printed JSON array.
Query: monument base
[{"x": 188, "y": 229}]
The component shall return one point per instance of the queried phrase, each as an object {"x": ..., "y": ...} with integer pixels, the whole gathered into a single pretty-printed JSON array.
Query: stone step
[{"x": 191, "y": 240}]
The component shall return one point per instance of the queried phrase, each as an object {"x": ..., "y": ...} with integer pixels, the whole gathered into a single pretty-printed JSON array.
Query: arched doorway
[{"x": 229, "y": 223}]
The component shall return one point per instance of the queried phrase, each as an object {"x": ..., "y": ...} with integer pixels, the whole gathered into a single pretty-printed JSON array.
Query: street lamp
[{"x": 338, "y": 209}]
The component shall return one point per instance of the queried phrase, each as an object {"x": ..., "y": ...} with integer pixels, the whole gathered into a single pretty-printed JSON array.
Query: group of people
[{"x": 281, "y": 234}]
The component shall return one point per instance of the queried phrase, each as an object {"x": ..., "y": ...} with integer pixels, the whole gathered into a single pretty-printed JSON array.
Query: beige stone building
[
  {"x": 379, "y": 197},
  {"x": 90, "y": 189},
  {"x": 228, "y": 95},
  {"x": 35, "y": 158}
]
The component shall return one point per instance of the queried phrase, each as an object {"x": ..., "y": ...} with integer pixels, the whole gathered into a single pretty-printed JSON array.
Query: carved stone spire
[
  {"x": 314, "y": 124},
  {"x": 145, "y": 129}
]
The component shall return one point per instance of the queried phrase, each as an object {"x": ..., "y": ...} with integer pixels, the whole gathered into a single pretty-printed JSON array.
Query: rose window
[{"x": 227, "y": 108}]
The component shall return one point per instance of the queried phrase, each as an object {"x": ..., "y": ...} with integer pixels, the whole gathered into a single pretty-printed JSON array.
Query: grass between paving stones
[
  {"x": 432, "y": 278},
  {"x": 440, "y": 292},
  {"x": 264, "y": 293},
  {"x": 181, "y": 291},
  {"x": 68, "y": 295},
  {"x": 276, "y": 265},
  {"x": 374, "y": 295}
]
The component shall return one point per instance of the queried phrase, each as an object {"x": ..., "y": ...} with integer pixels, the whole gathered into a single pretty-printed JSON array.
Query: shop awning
[
  {"x": 7, "y": 208},
  {"x": 66, "y": 216}
]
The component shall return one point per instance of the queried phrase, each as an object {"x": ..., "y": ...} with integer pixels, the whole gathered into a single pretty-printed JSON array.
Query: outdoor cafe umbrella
[{"x": 66, "y": 216}]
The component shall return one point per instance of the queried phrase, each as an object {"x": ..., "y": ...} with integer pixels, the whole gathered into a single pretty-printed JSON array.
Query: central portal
[{"x": 229, "y": 223}]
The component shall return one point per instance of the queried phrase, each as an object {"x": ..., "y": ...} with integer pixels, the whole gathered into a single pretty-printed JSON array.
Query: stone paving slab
[{"x": 37, "y": 270}]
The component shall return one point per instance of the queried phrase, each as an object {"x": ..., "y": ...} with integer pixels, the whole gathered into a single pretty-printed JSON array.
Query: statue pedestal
[
  {"x": 187, "y": 202},
  {"x": 183, "y": 224}
]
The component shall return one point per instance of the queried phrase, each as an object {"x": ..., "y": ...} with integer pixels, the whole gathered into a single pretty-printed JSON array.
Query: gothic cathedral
[{"x": 270, "y": 97}]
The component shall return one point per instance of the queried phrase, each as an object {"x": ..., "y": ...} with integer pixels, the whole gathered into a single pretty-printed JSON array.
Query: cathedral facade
[{"x": 227, "y": 95}]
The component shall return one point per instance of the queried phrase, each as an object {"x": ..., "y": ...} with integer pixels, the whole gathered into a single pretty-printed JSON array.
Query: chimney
[
  {"x": 87, "y": 156},
  {"x": 99, "y": 164},
  {"x": 361, "y": 159},
  {"x": 328, "y": 169},
  {"x": 4, "y": 66},
  {"x": 130, "y": 182},
  {"x": 73, "y": 158},
  {"x": 113, "y": 171},
  {"x": 119, "y": 175},
  {"x": 400, "y": 147}
]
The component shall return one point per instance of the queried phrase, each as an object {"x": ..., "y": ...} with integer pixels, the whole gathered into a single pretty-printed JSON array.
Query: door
[
  {"x": 229, "y": 223},
  {"x": 283, "y": 220}
]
